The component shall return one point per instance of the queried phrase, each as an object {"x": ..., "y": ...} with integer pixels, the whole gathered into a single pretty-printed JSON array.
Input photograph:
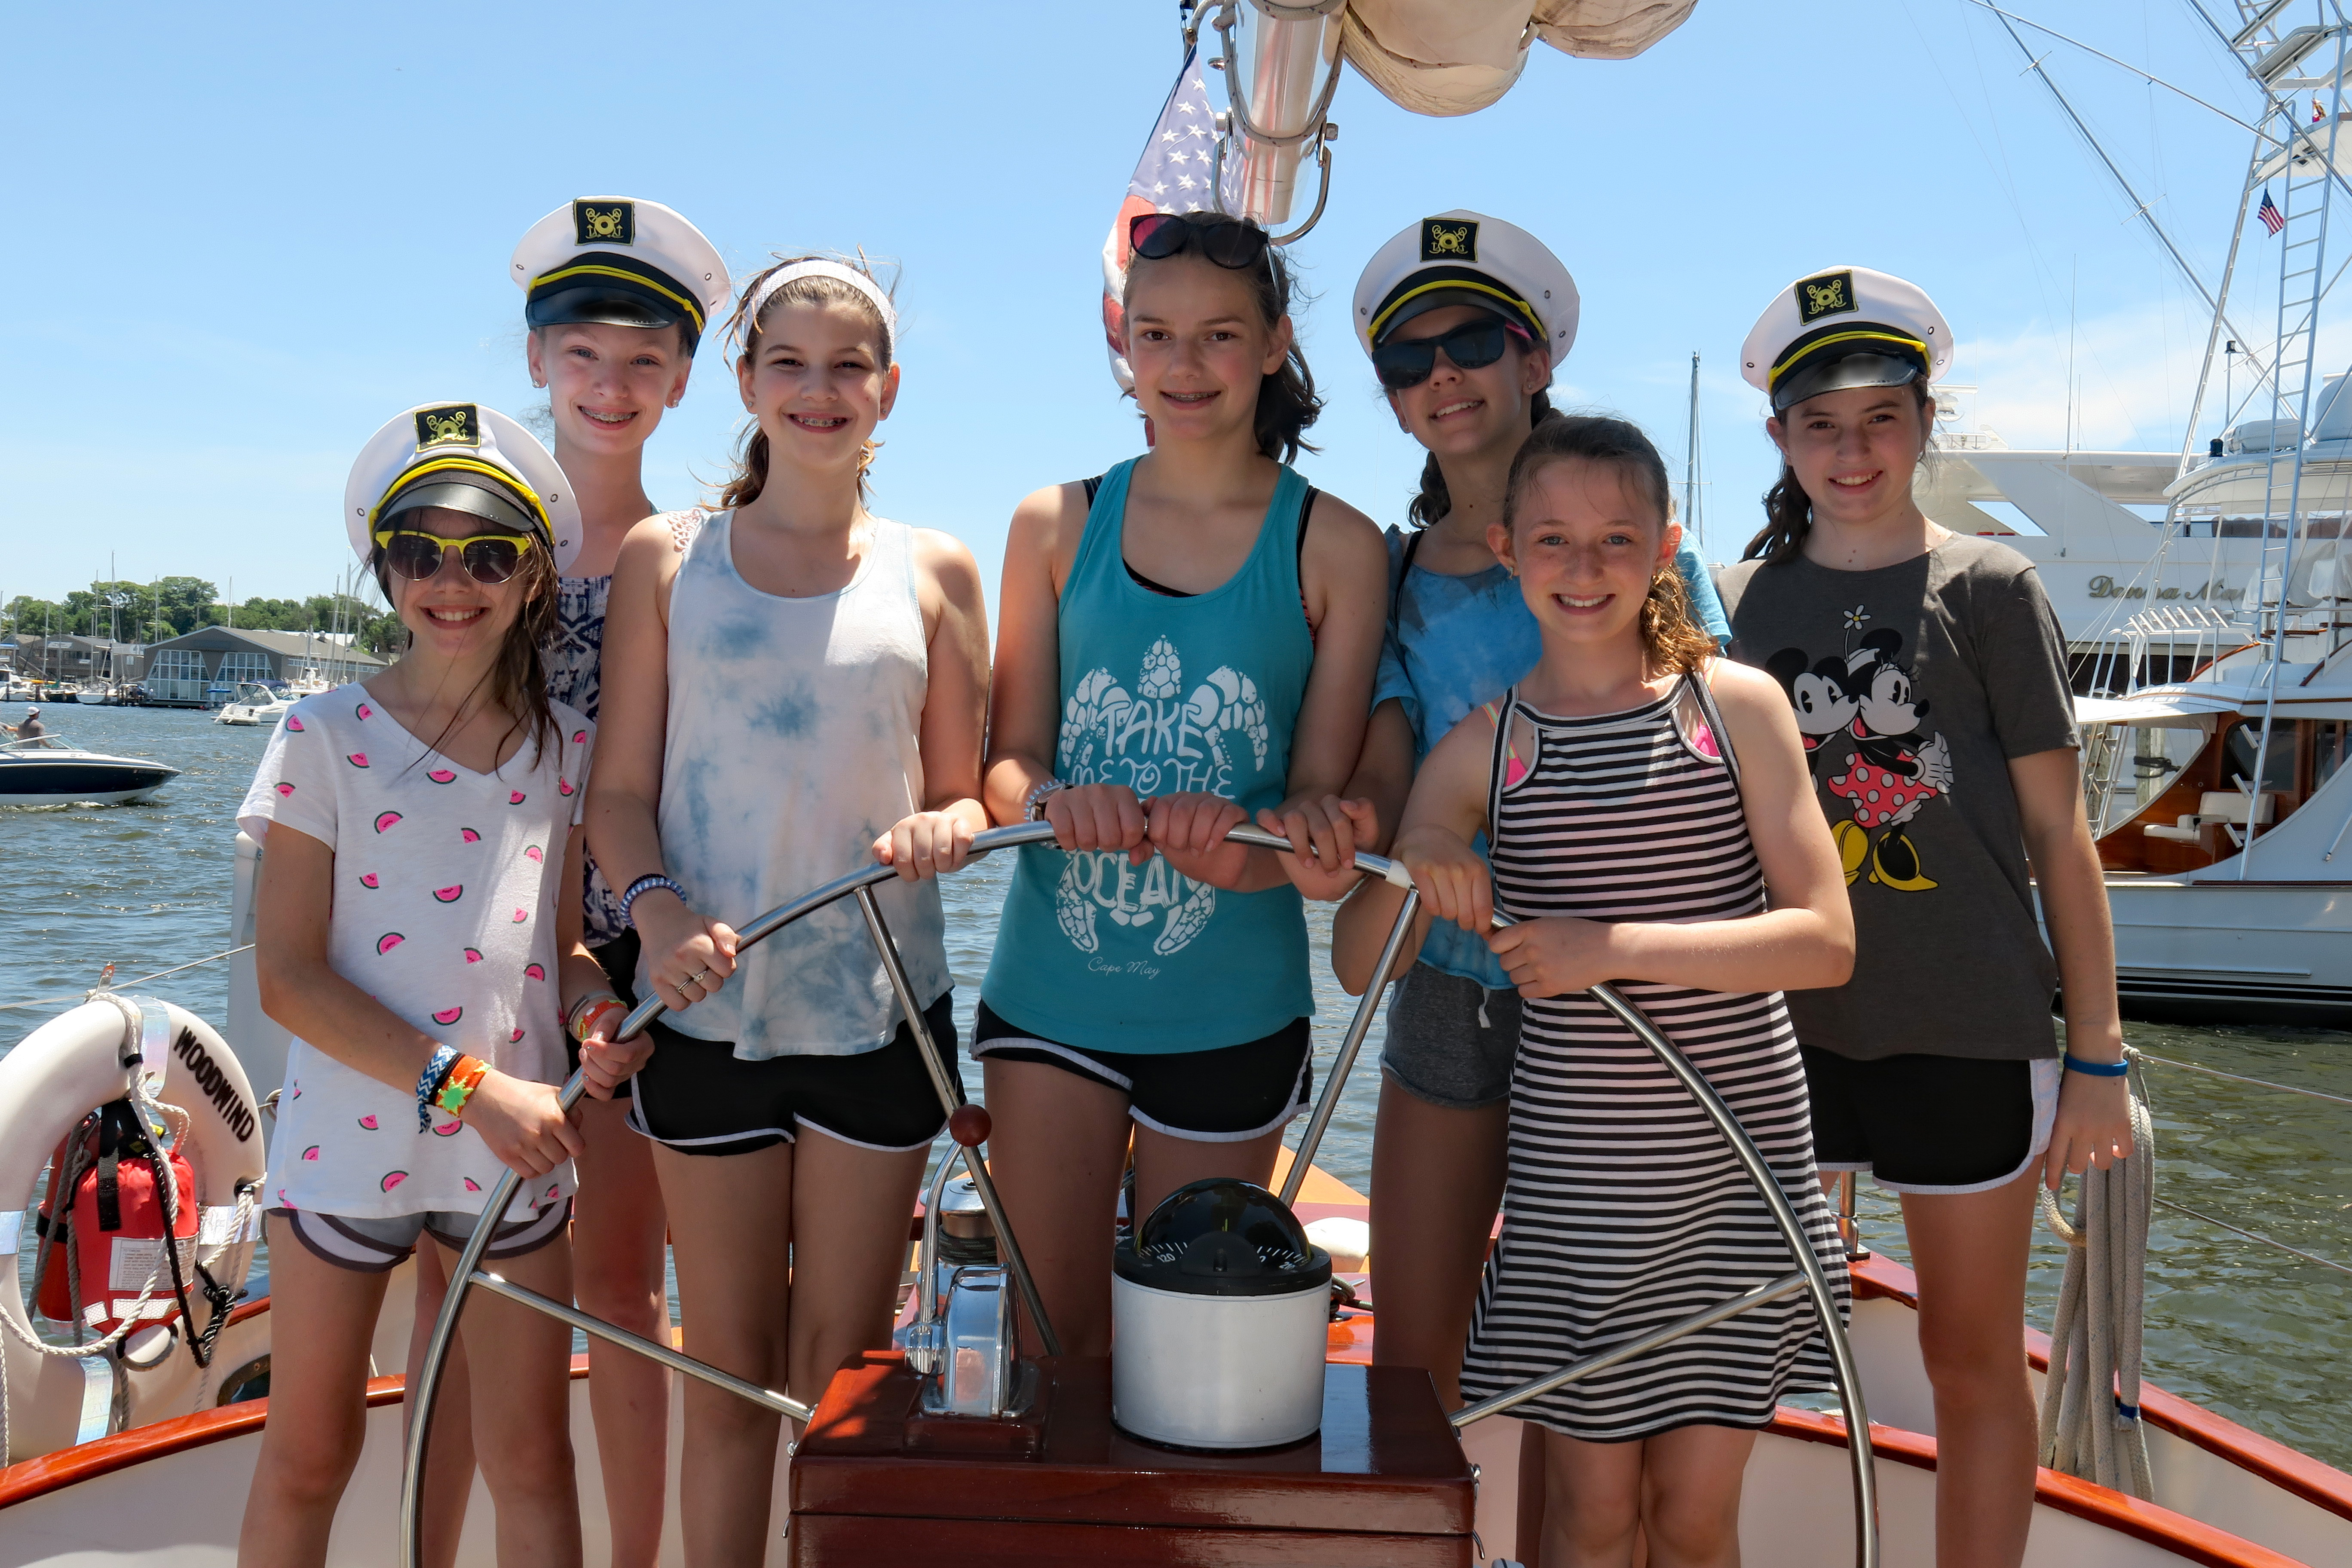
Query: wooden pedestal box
[{"x": 875, "y": 1482}]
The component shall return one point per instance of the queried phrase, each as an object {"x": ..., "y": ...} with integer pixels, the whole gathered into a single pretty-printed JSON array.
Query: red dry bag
[{"x": 114, "y": 1224}]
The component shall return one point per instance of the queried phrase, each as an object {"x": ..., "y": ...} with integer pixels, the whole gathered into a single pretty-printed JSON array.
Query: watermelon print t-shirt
[{"x": 445, "y": 897}]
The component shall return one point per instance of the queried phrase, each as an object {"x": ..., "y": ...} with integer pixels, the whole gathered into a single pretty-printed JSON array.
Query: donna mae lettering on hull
[
  {"x": 1156, "y": 740},
  {"x": 2105, "y": 587}
]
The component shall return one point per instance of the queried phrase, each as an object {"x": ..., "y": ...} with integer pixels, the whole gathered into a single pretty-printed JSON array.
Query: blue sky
[{"x": 242, "y": 239}]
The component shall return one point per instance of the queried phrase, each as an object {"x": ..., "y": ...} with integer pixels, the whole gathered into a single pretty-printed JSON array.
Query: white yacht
[{"x": 256, "y": 702}]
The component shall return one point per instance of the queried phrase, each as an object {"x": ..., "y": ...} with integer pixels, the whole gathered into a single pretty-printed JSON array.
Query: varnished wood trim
[
  {"x": 2174, "y": 1532},
  {"x": 2321, "y": 1485},
  {"x": 30, "y": 1479}
]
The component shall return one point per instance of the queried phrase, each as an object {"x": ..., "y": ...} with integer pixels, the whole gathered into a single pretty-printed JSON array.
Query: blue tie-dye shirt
[{"x": 1455, "y": 642}]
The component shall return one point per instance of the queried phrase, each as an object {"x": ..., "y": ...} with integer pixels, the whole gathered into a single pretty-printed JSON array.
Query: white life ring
[{"x": 58, "y": 1074}]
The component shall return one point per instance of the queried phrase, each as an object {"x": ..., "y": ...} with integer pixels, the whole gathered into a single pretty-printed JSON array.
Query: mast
[{"x": 1694, "y": 521}]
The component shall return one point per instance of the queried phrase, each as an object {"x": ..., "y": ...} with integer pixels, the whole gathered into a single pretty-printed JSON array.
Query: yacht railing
[{"x": 968, "y": 1129}]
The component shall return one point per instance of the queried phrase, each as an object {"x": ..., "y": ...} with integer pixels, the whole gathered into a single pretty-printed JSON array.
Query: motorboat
[
  {"x": 49, "y": 769},
  {"x": 2223, "y": 814},
  {"x": 256, "y": 702}
]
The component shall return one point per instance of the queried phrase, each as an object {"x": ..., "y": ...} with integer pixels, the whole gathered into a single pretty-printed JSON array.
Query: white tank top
[{"x": 792, "y": 747}]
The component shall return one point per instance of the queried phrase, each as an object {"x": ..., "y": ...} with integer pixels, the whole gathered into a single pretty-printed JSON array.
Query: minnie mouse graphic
[{"x": 1894, "y": 769}]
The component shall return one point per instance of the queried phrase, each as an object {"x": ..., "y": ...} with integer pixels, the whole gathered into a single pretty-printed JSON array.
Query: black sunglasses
[
  {"x": 1401, "y": 363},
  {"x": 488, "y": 557},
  {"x": 1228, "y": 242}
]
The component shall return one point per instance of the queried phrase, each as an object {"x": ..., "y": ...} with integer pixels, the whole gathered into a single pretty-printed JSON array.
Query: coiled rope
[{"x": 2090, "y": 1401}]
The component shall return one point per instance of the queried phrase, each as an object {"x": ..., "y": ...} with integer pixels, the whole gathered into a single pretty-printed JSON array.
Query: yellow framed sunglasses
[{"x": 419, "y": 556}]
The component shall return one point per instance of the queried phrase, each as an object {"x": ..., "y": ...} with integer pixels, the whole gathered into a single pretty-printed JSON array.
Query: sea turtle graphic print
[
  {"x": 1157, "y": 740},
  {"x": 1863, "y": 727}
]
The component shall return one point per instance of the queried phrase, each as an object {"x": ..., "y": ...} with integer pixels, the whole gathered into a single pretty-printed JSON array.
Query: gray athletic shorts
[
  {"x": 1439, "y": 1049},
  {"x": 374, "y": 1245}
]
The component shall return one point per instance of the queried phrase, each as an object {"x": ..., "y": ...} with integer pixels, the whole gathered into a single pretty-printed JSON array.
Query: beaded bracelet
[
  {"x": 2095, "y": 1069},
  {"x": 646, "y": 885},
  {"x": 460, "y": 1086},
  {"x": 429, "y": 1084}
]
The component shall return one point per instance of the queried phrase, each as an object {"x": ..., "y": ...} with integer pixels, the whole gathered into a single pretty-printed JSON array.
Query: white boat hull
[{"x": 2241, "y": 951}]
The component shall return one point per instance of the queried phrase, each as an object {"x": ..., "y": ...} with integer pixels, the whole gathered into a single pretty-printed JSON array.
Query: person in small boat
[
  {"x": 1467, "y": 318},
  {"x": 30, "y": 727},
  {"x": 418, "y": 931},
  {"x": 804, "y": 685},
  {"x": 1929, "y": 676},
  {"x": 1649, "y": 824},
  {"x": 1188, "y": 640},
  {"x": 617, "y": 295}
]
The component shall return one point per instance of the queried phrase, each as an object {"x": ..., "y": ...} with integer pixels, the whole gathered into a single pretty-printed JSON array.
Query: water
[{"x": 2260, "y": 1336}]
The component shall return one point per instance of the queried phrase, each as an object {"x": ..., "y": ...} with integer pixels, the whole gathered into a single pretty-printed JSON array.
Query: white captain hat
[
  {"x": 1846, "y": 327},
  {"x": 468, "y": 459},
  {"x": 1461, "y": 258},
  {"x": 620, "y": 260}
]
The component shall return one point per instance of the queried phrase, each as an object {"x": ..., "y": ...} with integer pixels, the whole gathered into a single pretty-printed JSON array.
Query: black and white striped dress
[{"x": 1625, "y": 1209}]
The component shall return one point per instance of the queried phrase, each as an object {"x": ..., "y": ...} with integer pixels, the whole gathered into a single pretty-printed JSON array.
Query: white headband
[{"x": 818, "y": 268}]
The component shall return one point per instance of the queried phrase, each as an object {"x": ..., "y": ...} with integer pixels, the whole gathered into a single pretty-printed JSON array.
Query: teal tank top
[{"x": 1165, "y": 695}]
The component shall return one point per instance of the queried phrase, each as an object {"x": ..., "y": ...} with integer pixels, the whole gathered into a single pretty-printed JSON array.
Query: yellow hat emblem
[
  {"x": 456, "y": 425},
  {"x": 1444, "y": 241},
  {"x": 614, "y": 222},
  {"x": 1830, "y": 294}
]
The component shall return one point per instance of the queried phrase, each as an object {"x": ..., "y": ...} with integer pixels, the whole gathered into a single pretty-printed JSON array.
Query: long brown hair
[
  {"x": 1788, "y": 510},
  {"x": 752, "y": 452},
  {"x": 1672, "y": 642},
  {"x": 518, "y": 678},
  {"x": 1287, "y": 402},
  {"x": 1434, "y": 500}
]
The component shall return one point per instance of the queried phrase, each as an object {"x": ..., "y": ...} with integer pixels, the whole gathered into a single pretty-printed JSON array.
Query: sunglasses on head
[
  {"x": 1227, "y": 241},
  {"x": 1401, "y": 363},
  {"x": 419, "y": 556}
]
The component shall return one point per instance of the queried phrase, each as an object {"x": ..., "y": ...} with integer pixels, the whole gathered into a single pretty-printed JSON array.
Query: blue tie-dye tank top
[{"x": 792, "y": 745}]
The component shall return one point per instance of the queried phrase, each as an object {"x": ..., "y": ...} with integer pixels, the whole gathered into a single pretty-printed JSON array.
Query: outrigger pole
[{"x": 968, "y": 1126}]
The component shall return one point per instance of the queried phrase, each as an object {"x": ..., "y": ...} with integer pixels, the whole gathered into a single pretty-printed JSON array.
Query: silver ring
[{"x": 699, "y": 973}]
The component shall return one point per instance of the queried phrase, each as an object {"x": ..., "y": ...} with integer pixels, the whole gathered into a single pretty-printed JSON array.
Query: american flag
[
  {"x": 1173, "y": 176},
  {"x": 2273, "y": 219}
]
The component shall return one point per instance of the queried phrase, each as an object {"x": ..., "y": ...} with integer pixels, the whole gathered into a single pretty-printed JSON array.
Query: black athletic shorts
[
  {"x": 696, "y": 1098},
  {"x": 1930, "y": 1124},
  {"x": 618, "y": 959},
  {"x": 1226, "y": 1095}
]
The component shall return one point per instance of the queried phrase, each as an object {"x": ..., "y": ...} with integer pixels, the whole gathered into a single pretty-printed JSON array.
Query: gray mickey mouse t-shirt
[{"x": 1914, "y": 685}]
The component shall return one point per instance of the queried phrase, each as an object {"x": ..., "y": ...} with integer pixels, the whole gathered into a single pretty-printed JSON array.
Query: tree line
[{"x": 173, "y": 606}]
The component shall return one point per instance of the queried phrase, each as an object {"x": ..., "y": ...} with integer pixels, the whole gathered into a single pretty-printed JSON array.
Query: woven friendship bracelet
[{"x": 429, "y": 1084}]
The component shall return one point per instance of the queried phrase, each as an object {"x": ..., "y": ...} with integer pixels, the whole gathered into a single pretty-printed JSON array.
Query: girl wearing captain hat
[
  {"x": 1930, "y": 681},
  {"x": 802, "y": 679},
  {"x": 418, "y": 917},
  {"x": 1465, "y": 317},
  {"x": 618, "y": 293}
]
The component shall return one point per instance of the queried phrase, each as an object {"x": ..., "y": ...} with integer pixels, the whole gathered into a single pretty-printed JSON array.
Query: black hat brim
[
  {"x": 1842, "y": 374},
  {"x": 463, "y": 495},
  {"x": 605, "y": 288},
  {"x": 1438, "y": 300},
  {"x": 599, "y": 304},
  {"x": 1431, "y": 288}
]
